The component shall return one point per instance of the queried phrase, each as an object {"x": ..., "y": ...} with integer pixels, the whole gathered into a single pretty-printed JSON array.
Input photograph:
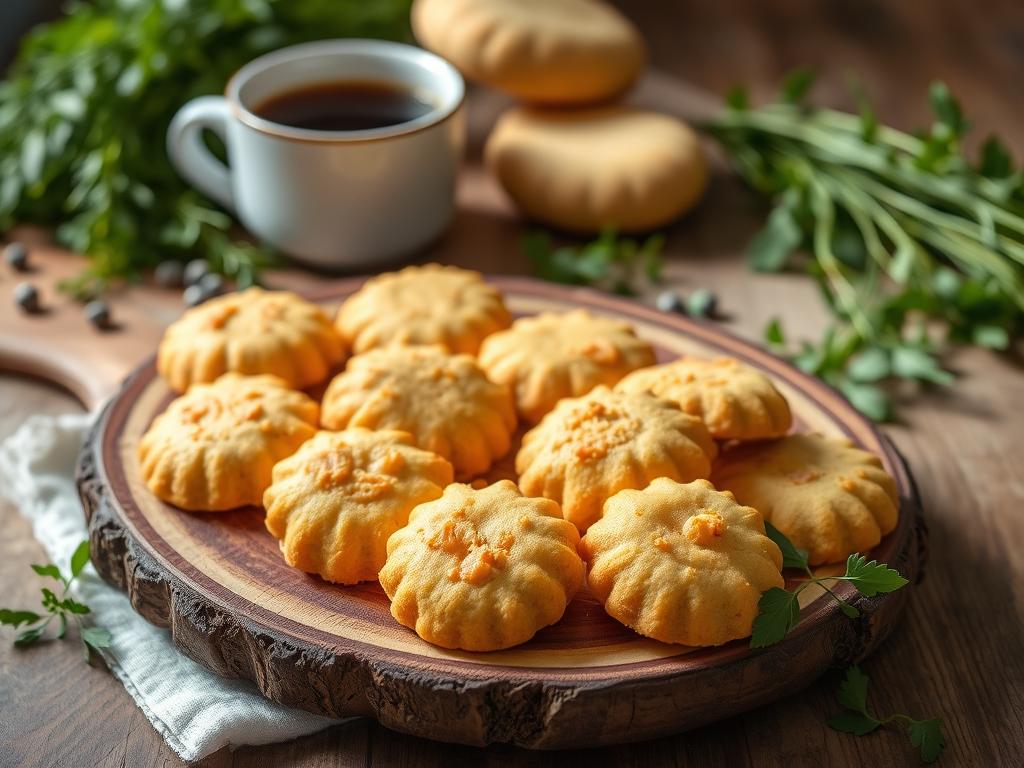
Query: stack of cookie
[
  {"x": 571, "y": 156},
  {"x": 402, "y": 472}
]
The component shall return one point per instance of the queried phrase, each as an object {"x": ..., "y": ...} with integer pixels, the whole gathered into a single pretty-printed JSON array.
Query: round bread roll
[
  {"x": 586, "y": 170},
  {"x": 543, "y": 51}
]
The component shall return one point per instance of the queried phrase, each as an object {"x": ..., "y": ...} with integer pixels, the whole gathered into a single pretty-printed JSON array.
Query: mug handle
[{"x": 190, "y": 155}]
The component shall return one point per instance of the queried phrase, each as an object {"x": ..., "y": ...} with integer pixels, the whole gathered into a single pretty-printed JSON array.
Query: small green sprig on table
[
  {"x": 779, "y": 612},
  {"x": 926, "y": 735},
  {"x": 779, "y": 609},
  {"x": 610, "y": 262},
  {"x": 58, "y": 607},
  {"x": 913, "y": 244}
]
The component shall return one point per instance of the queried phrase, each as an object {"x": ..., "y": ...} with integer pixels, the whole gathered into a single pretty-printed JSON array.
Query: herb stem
[{"x": 821, "y": 203}]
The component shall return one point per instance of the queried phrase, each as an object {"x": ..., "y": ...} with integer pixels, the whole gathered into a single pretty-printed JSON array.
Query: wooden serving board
[{"x": 218, "y": 582}]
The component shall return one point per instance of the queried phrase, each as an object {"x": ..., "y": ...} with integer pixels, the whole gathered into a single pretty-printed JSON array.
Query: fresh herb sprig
[
  {"x": 84, "y": 114},
  {"x": 58, "y": 607},
  {"x": 610, "y": 262},
  {"x": 905, "y": 231},
  {"x": 779, "y": 609},
  {"x": 926, "y": 735}
]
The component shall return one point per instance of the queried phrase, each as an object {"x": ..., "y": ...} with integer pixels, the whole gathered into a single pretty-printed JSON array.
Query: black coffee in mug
[{"x": 347, "y": 105}]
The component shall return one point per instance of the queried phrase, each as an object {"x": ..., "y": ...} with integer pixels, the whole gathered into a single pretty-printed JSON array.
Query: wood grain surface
[{"x": 958, "y": 654}]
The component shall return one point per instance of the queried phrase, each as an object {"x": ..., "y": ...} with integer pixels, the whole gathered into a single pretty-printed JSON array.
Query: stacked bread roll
[{"x": 571, "y": 155}]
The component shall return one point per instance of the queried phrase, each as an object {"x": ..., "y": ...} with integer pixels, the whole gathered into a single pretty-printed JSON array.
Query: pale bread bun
[
  {"x": 587, "y": 170},
  {"x": 543, "y": 51}
]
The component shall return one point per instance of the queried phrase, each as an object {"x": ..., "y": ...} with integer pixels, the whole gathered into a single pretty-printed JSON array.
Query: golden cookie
[
  {"x": 334, "y": 503},
  {"x": 589, "y": 448},
  {"x": 483, "y": 569},
  {"x": 592, "y": 169},
  {"x": 445, "y": 401},
  {"x": 564, "y": 52},
  {"x": 681, "y": 563},
  {"x": 215, "y": 446},
  {"x": 734, "y": 400},
  {"x": 423, "y": 305},
  {"x": 251, "y": 332},
  {"x": 551, "y": 356},
  {"x": 824, "y": 494}
]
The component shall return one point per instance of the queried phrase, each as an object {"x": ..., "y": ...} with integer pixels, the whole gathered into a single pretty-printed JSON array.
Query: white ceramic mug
[{"x": 336, "y": 199}]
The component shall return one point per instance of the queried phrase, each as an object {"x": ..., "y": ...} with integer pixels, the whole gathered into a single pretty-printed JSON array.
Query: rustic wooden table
[{"x": 960, "y": 650}]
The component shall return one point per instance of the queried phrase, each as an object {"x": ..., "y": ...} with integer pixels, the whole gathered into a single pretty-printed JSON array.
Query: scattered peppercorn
[
  {"x": 169, "y": 274},
  {"x": 194, "y": 296},
  {"x": 669, "y": 301},
  {"x": 98, "y": 313},
  {"x": 27, "y": 297},
  {"x": 16, "y": 256},
  {"x": 212, "y": 284},
  {"x": 195, "y": 270},
  {"x": 702, "y": 303}
]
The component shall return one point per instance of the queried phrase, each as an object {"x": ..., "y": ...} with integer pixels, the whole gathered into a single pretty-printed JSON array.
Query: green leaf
[
  {"x": 853, "y": 722},
  {"x": 869, "y": 399},
  {"x": 853, "y": 690},
  {"x": 778, "y": 613},
  {"x": 50, "y": 600},
  {"x": 916, "y": 363},
  {"x": 63, "y": 626},
  {"x": 773, "y": 333},
  {"x": 700, "y": 303},
  {"x": 872, "y": 578},
  {"x": 69, "y": 104},
  {"x": 868, "y": 118},
  {"x": 926, "y": 735},
  {"x": 996, "y": 162},
  {"x": 991, "y": 336},
  {"x": 50, "y": 570},
  {"x": 849, "y": 611},
  {"x": 947, "y": 283},
  {"x": 80, "y": 558},
  {"x": 74, "y": 606},
  {"x": 97, "y": 637},
  {"x": 870, "y": 365},
  {"x": 29, "y": 636},
  {"x": 17, "y": 618},
  {"x": 771, "y": 248},
  {"x": 736, "y": 98},
  {"x": 608, "y": 261},
  {"x": 792, "y": 556},
  {"x": 947, "y": 108},
  {"x": 33, "y": 153},
  {"x": 796, "y": 86},
  {"x": 650, "y": 252}
]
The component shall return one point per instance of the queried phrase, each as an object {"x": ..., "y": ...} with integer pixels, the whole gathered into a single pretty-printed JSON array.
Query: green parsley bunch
[
  {"x": 85, "y": 108},
  {"x": 914, "y": 244}
]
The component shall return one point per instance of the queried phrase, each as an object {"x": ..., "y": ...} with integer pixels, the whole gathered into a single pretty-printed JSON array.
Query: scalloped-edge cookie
[
  {"x": 215, "y": 447},
  {"x": 735, "y": 401},
  {"x": 564, "y": 52},
  {"x": 445, "y": 401},
  {"x": 681, "y": 563},
  {"x": 482, "y": 569},
  {"x": 825, "y": 494},
  {"x": 251, "y": 332},
  {"x": 334, "y": 502},
  {"x": 588, "y": 170},
  {"x": 432, "y": 304},
  {"x": 589, "y": 448},
  {"x": 554, "y": 355}
]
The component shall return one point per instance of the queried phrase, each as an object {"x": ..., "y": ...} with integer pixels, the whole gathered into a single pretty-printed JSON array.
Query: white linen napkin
[{"x": 195, "y": 711}]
